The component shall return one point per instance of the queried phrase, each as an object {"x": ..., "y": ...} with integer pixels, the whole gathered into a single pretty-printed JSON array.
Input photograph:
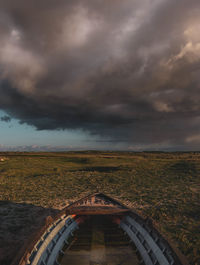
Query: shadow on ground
[
  {"x": 18, "y": 221},
  {"x": 103, "y": 169}
]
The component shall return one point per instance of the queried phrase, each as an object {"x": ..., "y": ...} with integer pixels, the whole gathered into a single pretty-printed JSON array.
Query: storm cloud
[
  {"x": 126, "y": 71},
  {"x": 5, "y": 118}
]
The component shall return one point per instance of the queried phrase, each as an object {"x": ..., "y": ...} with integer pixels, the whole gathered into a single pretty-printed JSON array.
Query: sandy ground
[{"x": 17, "y": 223}]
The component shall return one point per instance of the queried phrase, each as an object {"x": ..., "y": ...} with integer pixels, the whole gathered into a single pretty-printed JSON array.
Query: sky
[{"x": 107, "y": 75}]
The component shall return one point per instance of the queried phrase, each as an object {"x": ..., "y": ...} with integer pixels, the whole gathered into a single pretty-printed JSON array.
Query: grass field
[{"x": 164, "y": 186}]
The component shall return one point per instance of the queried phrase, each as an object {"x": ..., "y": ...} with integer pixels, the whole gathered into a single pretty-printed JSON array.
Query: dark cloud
[
  {"x": 127, "y": 71},
  {"x": 5, "y": 118}
]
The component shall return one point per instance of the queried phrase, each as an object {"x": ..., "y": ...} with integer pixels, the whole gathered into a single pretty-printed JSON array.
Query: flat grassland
[{"x": 163, "y": 186}]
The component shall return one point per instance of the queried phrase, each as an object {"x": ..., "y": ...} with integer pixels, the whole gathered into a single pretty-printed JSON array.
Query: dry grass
[{"x": 164, "y": 186}]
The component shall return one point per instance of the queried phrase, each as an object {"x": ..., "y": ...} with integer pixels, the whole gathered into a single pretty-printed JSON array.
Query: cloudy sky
[{"x": 109, "y": 74}]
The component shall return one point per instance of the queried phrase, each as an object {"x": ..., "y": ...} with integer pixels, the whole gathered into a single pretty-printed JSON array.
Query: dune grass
[{"x": 164, "y": 186}]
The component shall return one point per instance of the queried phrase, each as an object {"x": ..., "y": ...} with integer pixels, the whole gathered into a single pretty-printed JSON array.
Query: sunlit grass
[{"x": 165, "y": 187}]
